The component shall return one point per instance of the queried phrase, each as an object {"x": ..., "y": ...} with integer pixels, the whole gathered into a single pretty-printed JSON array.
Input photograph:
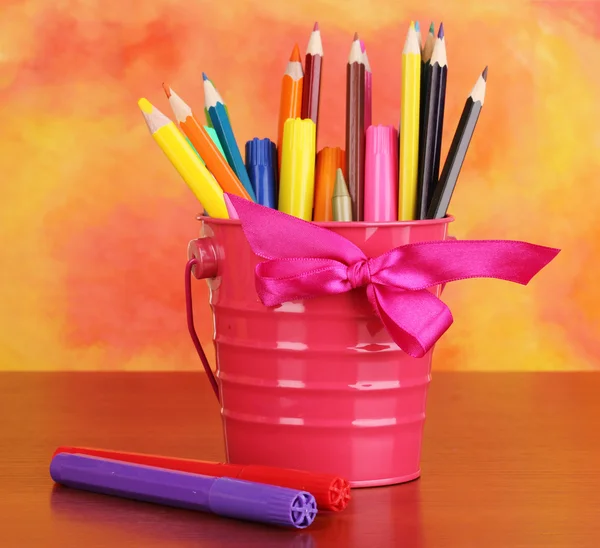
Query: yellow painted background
[{"x": 94, "y": 221}]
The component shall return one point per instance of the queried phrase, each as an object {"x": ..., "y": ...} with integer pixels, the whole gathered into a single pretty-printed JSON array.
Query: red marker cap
[{"x": 331, "y": 492}]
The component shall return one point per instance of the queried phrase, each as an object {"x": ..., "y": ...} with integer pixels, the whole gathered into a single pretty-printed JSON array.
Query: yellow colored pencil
[
  {"x": 409, "y": 127},
  {"x": 297, "y": 180},
  {"x": 185, "y": 160}
]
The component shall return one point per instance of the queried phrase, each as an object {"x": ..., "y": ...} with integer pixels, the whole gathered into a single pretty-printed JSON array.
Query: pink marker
[
  {"x": 368, "y": 86},
  {"x": 381, "y": 174},
  {"x": 230, "y": 209}
]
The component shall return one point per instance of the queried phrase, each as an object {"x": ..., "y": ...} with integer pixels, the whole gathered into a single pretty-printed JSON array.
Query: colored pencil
[
  {"x": 297, "y": 181},
  {"x": 208, "y": 121},
  {"x": 433, "y": 107},
  {"x": 222, "y": 125},
  {"x": 341, "y": 202},
  {"x": 261, "y": 163},
  {"x": 185, "y": 160},
  {"x": 418, "y": 33},
  {"x": 215, "y": 139},
  {"x": 329, "y": 159},
  {"x": 458, "y": 150},
  {"x": 427, "y": 47},
  {"x": 313, "y": 66},
  {"x": 409, "y": 127},
  {"x": 426, "y": 51},
  {"x": 290, "y": 105},
  {"x": 355, "y": 128},
  {"x": 206, "y": 147},
  {"x": 368, "y": 87},
  {"x": 381, "y": 174}
]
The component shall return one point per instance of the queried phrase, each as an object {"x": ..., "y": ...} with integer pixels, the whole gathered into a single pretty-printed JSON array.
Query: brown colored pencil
[
  {"x": 355, "y": 128},
  {"x": 313, "y": 65}
]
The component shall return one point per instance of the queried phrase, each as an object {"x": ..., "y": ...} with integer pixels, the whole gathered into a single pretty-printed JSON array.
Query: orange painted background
[{"x": 94, "y": 221}]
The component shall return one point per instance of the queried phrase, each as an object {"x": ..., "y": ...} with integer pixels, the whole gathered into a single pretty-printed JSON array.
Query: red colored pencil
[{"x": 313, "y": 65}]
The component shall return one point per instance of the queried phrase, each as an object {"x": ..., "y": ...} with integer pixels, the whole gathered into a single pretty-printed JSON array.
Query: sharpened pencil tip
[
  {"x": 417, "y": 26},
  {"x": 204, "y": 77},
  {"x": 295, "y": 56},
  {"x": 432, "y": 28},
  {"x": 145, "y": 105},
  {"x": 316, "y": 27},
  {"x": 484, "y": 74},
  {"x": 412, "y": 25},
  {"x": 167, "y": 89},
  {"x": 355, "y": 37},
  {"x": 441, "y": 31}
]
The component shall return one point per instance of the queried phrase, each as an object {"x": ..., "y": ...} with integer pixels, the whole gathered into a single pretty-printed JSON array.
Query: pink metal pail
[{"x": 316, "y": 385}]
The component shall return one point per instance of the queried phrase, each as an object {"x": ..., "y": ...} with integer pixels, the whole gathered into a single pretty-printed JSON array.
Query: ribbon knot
[
  {"x": 359, "y": 274},
  {"x": 303, "y": 260}
]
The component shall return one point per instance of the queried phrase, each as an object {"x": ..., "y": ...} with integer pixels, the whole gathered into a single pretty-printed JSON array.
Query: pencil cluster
[{"x": 382, "y": 174}]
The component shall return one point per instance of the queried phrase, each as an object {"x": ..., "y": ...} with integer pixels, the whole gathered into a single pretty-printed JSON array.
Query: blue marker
[{"x": 261, "y": 164}]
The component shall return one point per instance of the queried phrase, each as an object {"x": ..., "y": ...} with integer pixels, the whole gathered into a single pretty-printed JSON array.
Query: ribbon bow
[{"x": 304, "y": 260}]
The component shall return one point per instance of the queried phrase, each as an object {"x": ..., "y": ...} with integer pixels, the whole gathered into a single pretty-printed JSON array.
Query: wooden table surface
[{"x": 509, "y": 460}]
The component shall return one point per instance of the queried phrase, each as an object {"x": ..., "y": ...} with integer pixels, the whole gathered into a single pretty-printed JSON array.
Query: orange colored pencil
[
  {"x": 329, "y": 159},
  {"x": 290, "y": 105},
  {"x": 204, "y": 145}
]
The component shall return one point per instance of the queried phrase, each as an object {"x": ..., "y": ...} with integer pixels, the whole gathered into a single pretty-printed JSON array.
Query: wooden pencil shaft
[
  {"x": 311, "y": 89},
  {"x": 355, "y": 136},
  {"x": 454, "y": 161},
  {"x": 409, "y": 137},
  {"x": 425, "y": 70},
  {"x": 215, "y": 161},
  {"x": 222, "y": 126},
  {"x": 438, "y": 131},
  {"x": 428, "y": 149}
]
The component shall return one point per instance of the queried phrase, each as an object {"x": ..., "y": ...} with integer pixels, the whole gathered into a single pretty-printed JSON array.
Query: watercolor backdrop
[{"x": 94, "y": 220}]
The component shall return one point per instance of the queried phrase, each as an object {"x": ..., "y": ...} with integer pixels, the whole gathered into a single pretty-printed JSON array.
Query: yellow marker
[
  {"x": 185, "y": 159},
  {"x": 409, "y": 127},
  {"x": 297, "y": 180}
]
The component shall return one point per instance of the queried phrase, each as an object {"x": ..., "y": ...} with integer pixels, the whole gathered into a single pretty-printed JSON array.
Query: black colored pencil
[
  {"x": 431, "y": 136},
  {"x": 458, "y": 150},
  {"x": 426, "y": 52}
]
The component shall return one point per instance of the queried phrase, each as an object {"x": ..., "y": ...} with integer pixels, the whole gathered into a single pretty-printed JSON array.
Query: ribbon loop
[{"x": 305, "y": 260}]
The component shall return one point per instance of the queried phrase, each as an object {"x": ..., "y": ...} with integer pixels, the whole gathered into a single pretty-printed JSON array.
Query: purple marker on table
[{"x": 223, "y": 496}]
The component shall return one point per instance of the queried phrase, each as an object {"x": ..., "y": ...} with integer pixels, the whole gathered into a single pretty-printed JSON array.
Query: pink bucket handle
[{"x": 202, "y": 264}]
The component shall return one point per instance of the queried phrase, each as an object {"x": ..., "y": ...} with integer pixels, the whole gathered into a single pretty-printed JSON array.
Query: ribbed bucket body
[{"x": 317, "y": 385}]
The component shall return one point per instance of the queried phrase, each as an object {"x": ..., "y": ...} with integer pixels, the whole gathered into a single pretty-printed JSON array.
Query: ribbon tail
[{"x": 414, "y": 319}]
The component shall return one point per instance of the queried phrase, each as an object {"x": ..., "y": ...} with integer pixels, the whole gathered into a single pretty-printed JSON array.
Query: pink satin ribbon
[{"x": 304, "y": 260}]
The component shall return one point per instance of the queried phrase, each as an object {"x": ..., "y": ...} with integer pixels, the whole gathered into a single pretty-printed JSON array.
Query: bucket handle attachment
[{"x": 202, "y": 264}]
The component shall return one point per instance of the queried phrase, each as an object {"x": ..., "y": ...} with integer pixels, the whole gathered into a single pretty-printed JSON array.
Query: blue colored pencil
[
  {"x": 261, "y": 158},
  {"x": 220, "y": 122}
]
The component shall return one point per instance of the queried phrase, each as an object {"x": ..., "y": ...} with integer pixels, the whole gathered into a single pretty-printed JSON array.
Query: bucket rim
[{"x": 339, "y": 224}]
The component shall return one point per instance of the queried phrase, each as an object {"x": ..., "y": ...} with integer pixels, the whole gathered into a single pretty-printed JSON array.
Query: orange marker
[
  {"x": 291, "y": 94},
  {"x": 204, "y": 145},
  {"x": 329, "y": 159}
]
